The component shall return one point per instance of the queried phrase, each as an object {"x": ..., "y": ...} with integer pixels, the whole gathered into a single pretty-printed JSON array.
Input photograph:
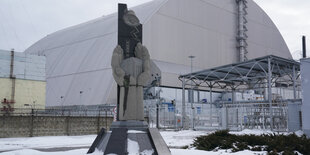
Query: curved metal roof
[{"x": 78, "y": 58}]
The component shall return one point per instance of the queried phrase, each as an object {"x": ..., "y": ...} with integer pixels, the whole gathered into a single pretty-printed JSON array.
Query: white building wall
[{"x": 305, "y": 108}]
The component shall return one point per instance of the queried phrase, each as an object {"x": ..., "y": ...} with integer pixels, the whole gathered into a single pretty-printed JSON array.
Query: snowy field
[{"x": 78, "y": 145}]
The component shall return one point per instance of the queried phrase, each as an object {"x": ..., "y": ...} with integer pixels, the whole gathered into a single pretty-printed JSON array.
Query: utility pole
[{"x": 192, "y": 93}]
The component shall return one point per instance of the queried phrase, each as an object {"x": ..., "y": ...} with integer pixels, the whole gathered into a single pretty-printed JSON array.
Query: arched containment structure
[{"x": 78, "y": 58}]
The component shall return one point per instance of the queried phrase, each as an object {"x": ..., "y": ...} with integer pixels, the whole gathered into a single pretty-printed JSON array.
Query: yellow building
[{"x": 22, "y": 82}]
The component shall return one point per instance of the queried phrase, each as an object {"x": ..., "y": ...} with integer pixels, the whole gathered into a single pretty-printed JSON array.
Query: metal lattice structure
[
  {"x": 242, "y": 29},
  {"x": 263, "y": 75}
]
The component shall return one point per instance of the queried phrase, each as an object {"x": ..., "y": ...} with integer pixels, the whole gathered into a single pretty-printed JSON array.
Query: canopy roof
[{"x": 248, "y": 71}]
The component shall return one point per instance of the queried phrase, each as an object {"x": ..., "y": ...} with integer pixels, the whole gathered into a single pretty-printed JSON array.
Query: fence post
[
  {"x": 68, "y": 123},
  {"x": 224, "y": 118},
  {"x": 157, "y": 115},
  {"x": 31, "y": 123},
  {"x": 98, "y": 123},
  {"x": 106, "y": 119}
]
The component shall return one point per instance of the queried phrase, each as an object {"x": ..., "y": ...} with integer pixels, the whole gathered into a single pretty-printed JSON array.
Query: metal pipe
[
  {"x": 12, "y": 77},
  {"x": 304, "y": 49},
  {"x": 12, "y": 64}
]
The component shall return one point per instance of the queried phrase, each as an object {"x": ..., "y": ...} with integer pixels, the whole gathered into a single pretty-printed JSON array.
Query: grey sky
[
  {"x": 23, "y": 22},
  {"x": 292, "y": 19}
]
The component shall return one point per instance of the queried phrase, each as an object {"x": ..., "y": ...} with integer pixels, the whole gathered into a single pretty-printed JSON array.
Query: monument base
[
  {"x": 127, "y": 136},
  {"x": 130, "y": 125}
]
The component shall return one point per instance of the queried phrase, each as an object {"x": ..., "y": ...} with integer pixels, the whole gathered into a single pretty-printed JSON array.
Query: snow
[
  {"x": 178, "y": 139},
  {"x": 174, "y": 139},
  {"x": 256, "y": 132},
  {"x": 132, "y": 147},
  {"x": 46, "y": 142},
  {"x": 147, "y": 152},
  {"x": 259, "y": 132},
  {"x": 299, "y": 133},
  {"x": 35, "y": 152},
  {"x": 220, "y": 152},
  {"x": 135, "y": 131}
]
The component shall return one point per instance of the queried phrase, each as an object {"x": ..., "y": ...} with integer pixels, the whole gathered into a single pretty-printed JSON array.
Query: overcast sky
[{"x": 23, "y": 22}]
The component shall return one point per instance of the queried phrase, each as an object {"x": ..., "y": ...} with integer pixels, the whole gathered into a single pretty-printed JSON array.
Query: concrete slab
[{"x": 159, "y": 143}]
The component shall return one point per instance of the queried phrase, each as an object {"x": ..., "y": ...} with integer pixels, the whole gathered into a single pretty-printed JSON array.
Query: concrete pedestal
[
  {"x": 130, "y": 132},
  {"x": 130, "y": 125}
]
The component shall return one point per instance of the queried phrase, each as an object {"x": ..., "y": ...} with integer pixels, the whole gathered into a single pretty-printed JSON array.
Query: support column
[
  {"x": 270, "y": 93},
  {"x": 233, "y": 100},
  {"x": 211, "y": 110},
  {"x": 233, "y": 96},
  {"x": 294, "y": 82},
  {"x": 183, "y": 103}
]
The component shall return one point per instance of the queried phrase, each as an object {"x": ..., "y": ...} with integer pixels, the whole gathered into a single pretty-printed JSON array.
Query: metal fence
[
  {"x": 258, "y": 116},
  {"x": 203, "y": 116},
  {"x": 163, "y": 116},
  {"x": 108, "y": 112},
  {"x": 208, "y": 116}
]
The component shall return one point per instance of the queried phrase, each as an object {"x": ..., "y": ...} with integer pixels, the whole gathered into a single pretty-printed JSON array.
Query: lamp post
[{"x": 192, "y": 93}]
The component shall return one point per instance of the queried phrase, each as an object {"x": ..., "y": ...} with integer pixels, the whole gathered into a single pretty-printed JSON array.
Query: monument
[{"x": 132, "y": 69}]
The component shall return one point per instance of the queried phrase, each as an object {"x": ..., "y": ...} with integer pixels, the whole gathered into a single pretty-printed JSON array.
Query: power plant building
[
  {"x": 22, "y": 82},
  {"x": 216, "y": 32}
]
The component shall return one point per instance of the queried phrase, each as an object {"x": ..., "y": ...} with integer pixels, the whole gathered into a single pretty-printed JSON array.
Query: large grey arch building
[{"x": 78, "y": 58}]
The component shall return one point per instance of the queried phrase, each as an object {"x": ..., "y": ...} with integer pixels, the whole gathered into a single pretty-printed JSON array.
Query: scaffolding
[{"x": 264, "y": 76}]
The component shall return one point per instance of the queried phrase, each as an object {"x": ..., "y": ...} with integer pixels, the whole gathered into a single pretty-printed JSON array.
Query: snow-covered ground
[
  {"x": 78, "y": 145},
  {"x": 45, "y": 142}
]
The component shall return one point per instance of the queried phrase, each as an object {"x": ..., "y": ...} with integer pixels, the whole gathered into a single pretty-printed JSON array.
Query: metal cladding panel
[
  {"x": 72, "y": 59},
  {"x": 53, "y": 58},
  {"x": 99, "y": 60},
  {"x": 293, "y": 117},
  {"x": 172, "y": 30},
  {"x": 176, "y": 47},
  {"x": 305, "y": 79},
  {"x": 5, "y": 60},
  {"x": 77, "y": 89},
  {"x": 26, "y": 66},
  {"x": 78, "y": 59}
]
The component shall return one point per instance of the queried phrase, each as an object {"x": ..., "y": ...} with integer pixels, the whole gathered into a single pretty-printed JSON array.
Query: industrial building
[
  {"x": 217, "y": 32},
  {"x": 22, "y": 82},
  {"x": 196, "y": 44},
  {"x": 305, "y": 74}
]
